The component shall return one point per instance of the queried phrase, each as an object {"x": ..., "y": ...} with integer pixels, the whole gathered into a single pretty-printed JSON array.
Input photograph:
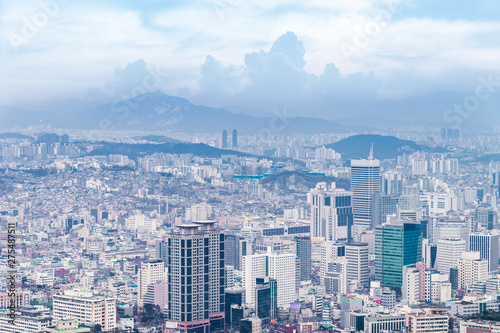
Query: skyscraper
[
  {"x": 224, "y": 139},
  {"x": 357, "y": 263},
  {"x": 195, "y": 266},
  {"x": 396, "y": 245},
  {"x": 487, "y": 245},
  {"x": 216, "y": 269},
  {"x": 392, "y": 183},
  {"x": 266, "y": 299},
  {"x": 304, "y": 257},
  {"x": 365, "y": 182},
  {"x": 235, "y": 138},
  {"x": 331, "y": 212}
]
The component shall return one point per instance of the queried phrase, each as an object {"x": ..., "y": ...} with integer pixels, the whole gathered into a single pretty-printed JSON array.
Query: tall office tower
[
  {"x": 236, "y": 247},
  {"x": 357, "y": 263},
  {"x": 486, "y": 217},
  {"x": 150, "y": 272},
  {"x": 331, "y": 212},
  {"x": 235, "y": 138},
  {"x": 383, "y": 205},
  {"x": 335, "y": 280},
  {"x": 87, "y": 308},
  {"x": 471, "y": 269},
  {"x": 224, "y": 139},
  {"x": 396, "y": 245},
  {"x": 392, "y": 183},
  {"x": 266, "y": 299},
  {"x": 304, "y": 257},
  {"x": 487, "y": 245},
  {"x": 254, "y": 266},
  {"x": 195, "y": 267},
  {"x": 281, "y": 267},
  {"x": 330, "y": 251},
  {"x": 365, "y": 182},
  {"x": 449, "y": 252},
  {"x": 216, "y": 276}
]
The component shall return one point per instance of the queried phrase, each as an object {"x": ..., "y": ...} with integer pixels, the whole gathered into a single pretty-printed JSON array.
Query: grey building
[{"x": 304, "y": 257}]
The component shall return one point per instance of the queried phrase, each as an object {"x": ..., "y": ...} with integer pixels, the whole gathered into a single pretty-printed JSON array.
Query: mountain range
[{"x": 160, "y": 112}]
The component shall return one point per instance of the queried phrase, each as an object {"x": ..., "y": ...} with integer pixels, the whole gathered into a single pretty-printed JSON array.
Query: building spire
[{"x": 370, "y": 157}]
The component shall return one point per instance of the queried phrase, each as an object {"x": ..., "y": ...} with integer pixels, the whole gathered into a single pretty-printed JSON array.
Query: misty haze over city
[{"x": 250, "y": 166}]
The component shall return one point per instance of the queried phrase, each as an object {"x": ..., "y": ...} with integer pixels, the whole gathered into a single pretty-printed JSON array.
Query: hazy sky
[{"x": 231, "y": 51}]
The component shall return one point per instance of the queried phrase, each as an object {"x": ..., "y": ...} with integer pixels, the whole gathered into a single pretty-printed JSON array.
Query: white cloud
[{"x": 85, "y": 42}]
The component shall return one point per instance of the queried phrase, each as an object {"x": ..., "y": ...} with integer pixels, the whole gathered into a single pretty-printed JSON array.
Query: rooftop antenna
[{"x": 370, "y": 157}]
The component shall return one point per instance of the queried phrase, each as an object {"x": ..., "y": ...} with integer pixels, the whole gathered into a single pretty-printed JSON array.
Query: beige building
[
  {"x": 427, "y": 323},
  {"x": 67, "y": 326},
  {"x": 22, "y": 299},
  {"x": 88, "y": 309},
  {"x": 151, "y": 272}
]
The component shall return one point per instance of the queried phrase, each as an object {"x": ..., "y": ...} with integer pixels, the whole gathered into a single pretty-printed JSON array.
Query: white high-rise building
[
  {"x": 449, "y": 252},
  {"x": 438, "y": 203},
  {"x": 419, "y": 167},
  {"x": 392, "y": 183},
  {"x": 357, "y": 263},
  {"x": 254, "y": 266},
  {"x": 331, "y": 212},
  {"x": 150, "y": 272},
  {"x": 471, "y": 269},
  {"x": 411, "y": 285},
  {"x": 281, "y": 267},
  {"x": 487, "y": 245},
  {"x": 421, "y": 284},
  {"x": 365, "y": 182},
  {"x": 88, "y": 309}
]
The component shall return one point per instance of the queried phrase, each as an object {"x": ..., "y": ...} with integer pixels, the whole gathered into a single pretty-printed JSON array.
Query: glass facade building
[{"x": 396, "y": 245}]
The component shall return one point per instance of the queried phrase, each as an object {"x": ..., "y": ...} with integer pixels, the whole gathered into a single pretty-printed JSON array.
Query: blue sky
[{"x": 221, "y": 52}]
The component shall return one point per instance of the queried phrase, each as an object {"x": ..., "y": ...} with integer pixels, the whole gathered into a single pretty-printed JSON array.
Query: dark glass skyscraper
[
  {"x": 396, "y": 245},
  {"x": 266, "y": 299}
]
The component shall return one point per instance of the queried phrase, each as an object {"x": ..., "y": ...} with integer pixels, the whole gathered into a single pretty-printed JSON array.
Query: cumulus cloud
[
  {"x": 134, "y": 79},
  {"x": 279, "y": 74}
]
